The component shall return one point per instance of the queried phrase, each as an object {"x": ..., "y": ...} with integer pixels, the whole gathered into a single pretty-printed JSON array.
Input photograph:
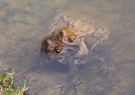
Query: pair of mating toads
[{"x": 68, "y": 45}]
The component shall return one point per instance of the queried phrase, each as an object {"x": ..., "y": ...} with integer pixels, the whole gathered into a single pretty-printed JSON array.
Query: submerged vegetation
[{"x": 7, "y": 86}]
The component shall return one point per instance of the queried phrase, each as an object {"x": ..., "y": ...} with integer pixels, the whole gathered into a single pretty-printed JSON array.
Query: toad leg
[
  {"x": 102, "y": 34},
  {"x": 72, "y": 71}
]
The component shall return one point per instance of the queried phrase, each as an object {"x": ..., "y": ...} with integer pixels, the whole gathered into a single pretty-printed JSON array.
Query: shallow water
[{"x": 24, "y": 23}]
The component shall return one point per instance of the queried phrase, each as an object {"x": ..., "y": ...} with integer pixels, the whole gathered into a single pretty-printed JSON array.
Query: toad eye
[
  {"x": 71, "y": 39},
  {"x": 57, "y": 49}
]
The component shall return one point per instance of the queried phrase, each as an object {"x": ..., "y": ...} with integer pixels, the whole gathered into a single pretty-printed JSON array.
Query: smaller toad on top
[{"x": 77, "y": 30}]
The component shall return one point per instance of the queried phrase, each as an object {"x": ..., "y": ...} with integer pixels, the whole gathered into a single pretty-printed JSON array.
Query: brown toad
[
  {"x": 63, "y": 53},
  {"x": 56, "y": 49},
  {"x": 77, "y": 30}
]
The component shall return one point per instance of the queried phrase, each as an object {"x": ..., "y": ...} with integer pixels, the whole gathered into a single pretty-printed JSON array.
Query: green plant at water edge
[{"x": 7, "y": 84}]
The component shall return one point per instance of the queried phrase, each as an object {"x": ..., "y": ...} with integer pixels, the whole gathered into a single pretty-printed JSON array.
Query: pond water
[{"x": 24, "y": 23}]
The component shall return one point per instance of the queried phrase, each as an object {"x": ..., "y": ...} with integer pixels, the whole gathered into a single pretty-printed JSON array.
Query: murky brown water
[{"x": 23, "y": 24}]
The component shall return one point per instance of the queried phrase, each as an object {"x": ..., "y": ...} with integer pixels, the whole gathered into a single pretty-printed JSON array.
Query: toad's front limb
[
  {"x": 83, "y": 49},
  {"x": 66, "y": 19}
]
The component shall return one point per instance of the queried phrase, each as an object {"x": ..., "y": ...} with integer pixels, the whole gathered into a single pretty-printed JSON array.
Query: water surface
[{"x": 24, "y": 23}]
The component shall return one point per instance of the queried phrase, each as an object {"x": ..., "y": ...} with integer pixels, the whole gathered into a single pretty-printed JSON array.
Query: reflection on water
[{"x": 23, "y": 24}]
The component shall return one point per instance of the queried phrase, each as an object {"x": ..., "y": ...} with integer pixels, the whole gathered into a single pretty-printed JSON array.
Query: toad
[
  {"x": 77, "y": 30},
  {"x": 65, "y": 54},
  {"x": 68, "y": 45},
  {"x": 56, "y": 49}
]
